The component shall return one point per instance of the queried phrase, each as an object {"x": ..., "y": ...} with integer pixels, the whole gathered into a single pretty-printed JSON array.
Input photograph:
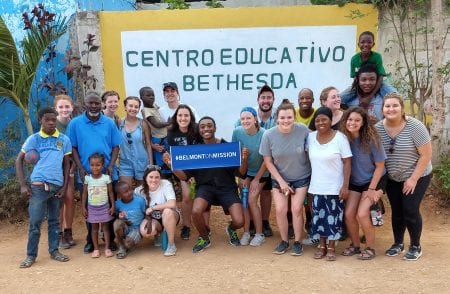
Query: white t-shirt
[
  {"x": 327, "y": 175},
  {"x": 163, "y": 194}
]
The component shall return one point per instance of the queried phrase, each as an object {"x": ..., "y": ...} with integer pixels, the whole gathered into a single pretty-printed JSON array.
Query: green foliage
[
  {"x": 214, "y": 4},
  {"x": 177, "y": 4},
  {"x": 12, "y": 204},
  {"x": 17, "y": 71},
  {"x": 442, "y": 178}
]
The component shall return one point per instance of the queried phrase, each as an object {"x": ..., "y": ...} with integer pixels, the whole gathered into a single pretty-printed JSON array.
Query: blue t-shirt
[
  {"x": 363, "y": 163},
  {"x": 51, "y": 149},
  {"x": 252, "y": 142},
  {"x": 91, "y": 137},
  {"x": 134, "y": 210}
]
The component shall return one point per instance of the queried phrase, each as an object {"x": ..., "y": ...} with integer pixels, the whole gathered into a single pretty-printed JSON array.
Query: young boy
[
  {"x": 131, "y": 212},
  {"x": 48, "y": 181},
  {"x": 366, "y": 42},
  {"x": 151, "y": 114}
]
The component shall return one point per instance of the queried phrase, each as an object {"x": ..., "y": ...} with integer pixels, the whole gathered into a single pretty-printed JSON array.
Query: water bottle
[
  {"x": 376, "y": 215},
  {"x": 164, "y": 240},
  {"x": 244, "y": 197}
]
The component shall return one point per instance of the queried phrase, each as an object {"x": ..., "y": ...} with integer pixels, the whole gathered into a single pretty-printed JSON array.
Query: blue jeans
[{"x": 43, "y": 203}]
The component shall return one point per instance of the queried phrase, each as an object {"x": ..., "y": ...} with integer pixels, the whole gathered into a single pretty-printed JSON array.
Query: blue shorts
[
  {"x": 293, "y": 184},
  {"x": 135, "y": 169}
]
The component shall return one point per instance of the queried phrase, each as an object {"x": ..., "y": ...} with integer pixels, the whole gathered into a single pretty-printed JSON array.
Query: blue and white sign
[{"x": 205, "y": 156}]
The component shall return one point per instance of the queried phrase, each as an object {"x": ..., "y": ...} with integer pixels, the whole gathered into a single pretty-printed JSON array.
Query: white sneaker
[
  {"x": 258, "y": 240},
  {"x": 171, "y": 250},
  {"x": 309, "y": 241},
  {"x": 245, "y": 239}
]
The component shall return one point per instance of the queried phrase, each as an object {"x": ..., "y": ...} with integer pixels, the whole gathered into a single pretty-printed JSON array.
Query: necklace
[{"x": 323, "y": 139}]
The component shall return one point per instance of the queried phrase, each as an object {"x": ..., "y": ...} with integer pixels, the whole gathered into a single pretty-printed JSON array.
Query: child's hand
[
  {"x": 85, "y": 212},
  {"x": 122, "y": 215},
  {"x": 148, "y": 211},
  {"x": 112, "y": 210}
]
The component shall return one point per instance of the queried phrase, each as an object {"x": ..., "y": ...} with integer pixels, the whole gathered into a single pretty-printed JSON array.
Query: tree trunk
[
  {"x": 437, "y": 127},
  {"x": 26, "y": 118}
]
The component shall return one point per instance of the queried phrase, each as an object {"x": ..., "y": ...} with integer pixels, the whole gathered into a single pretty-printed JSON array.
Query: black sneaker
[
  {"x": 281, "y": 248},
  {"x": 267, "y": 230},
  {"x": 201, "y": 245},
  {"x": 414, "y": 252},
  {"x": 395, "y": 250},
  {"x": 233, "y": 236},
  {"x": 88, "y": 248},
  {"x": 185, "y": 233},
  {"x": 291, "y": 233},
  {"x": 297, "y": 249}
]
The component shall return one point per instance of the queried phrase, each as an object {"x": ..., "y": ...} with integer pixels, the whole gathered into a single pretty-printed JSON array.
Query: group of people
[{"x": 332, "y": 163}]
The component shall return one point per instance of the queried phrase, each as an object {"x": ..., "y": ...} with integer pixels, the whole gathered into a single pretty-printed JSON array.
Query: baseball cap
[{"x": 172, "y": 85}]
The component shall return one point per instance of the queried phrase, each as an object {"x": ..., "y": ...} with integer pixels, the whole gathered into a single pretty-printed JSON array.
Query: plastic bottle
[
  {"x": 164, "y": 240},
  {"x": 376, "y": 215},
  {"x": 244, "y": 197}
]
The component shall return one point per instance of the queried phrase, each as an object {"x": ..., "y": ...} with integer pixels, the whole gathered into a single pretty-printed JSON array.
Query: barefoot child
[
  {"x": 96, "y": 198},
  {"x": 130, "y": 212},
  {"x": 48, "y": 180}
]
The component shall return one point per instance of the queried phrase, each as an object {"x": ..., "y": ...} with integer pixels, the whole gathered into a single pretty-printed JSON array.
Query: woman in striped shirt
[{"x": 408, "y": 148}]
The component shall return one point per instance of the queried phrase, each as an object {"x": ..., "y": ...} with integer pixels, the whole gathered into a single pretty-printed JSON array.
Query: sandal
[
  {"x": 331, "y": 255},
  {"x": 27, "y": 262},
  {"x": 108, "y": 253},
  {"x": 58, "y": 256},
  {"x": 320, "y": 253},
  {"x": 122, "y": 253},
  {"x": 351, "y": 250},
  {"x": 95, "y": 253},
  {"x": 367, "y": 254}
]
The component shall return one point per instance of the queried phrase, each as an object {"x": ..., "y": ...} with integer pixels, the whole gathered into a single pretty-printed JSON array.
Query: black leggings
[{"x": 406, "y": 209}]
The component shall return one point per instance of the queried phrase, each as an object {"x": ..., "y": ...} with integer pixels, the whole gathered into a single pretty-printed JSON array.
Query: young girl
[
  {"x": 64, "y": 106},
  {"x": 110, "y": 100},
  {"x": 367, "y": 180},
  {"x": 135, "y": 149},
  {"x": 249, "y": 134},
  {"x": 96, "y": 198}
]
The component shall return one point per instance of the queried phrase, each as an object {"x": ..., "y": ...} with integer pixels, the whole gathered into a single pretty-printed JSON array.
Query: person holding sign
[
  {"x": 249, "y": 134},
  {"x": 283, "y": 148},
  {"x": 214, "y": 186},
  {"x": 183, "y": 132}
]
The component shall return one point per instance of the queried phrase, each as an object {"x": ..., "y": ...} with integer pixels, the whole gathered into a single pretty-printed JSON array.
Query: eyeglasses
[
  {"x": 129, "y": 138},
  {"x": 391, "y": 146}
]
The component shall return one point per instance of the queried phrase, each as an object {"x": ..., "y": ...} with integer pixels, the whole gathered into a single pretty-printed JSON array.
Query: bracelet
[{"x": 371, "y": 189}]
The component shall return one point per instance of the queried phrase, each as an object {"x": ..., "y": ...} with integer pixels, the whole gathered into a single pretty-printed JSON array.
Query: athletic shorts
[{"x": 214, "y": 195}]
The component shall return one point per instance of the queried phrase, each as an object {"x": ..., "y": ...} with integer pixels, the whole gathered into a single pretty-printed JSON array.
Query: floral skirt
[{"x": 328, "y": 212}]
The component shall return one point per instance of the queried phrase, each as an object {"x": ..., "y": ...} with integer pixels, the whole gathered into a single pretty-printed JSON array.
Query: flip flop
[
  {"x": 95, "y": 254},
  {"x": 108, "y": 253}
]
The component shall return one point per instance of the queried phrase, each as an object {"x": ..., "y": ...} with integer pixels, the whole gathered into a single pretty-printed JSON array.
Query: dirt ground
[{"x": 222, "y": 268}]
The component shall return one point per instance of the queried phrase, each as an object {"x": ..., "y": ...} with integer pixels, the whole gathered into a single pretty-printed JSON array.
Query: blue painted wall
[{"x": 11, "y": 12}]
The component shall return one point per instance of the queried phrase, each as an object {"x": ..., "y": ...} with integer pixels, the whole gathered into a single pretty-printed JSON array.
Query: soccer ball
[{"x": 31, "y": 157}]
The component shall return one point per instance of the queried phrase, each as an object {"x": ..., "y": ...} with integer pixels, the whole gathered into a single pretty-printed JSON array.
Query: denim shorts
[{"x": 293, "y": 184}]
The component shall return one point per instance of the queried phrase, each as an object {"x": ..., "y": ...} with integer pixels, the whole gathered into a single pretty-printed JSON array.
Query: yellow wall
[{"x": 113, "y": 23}]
